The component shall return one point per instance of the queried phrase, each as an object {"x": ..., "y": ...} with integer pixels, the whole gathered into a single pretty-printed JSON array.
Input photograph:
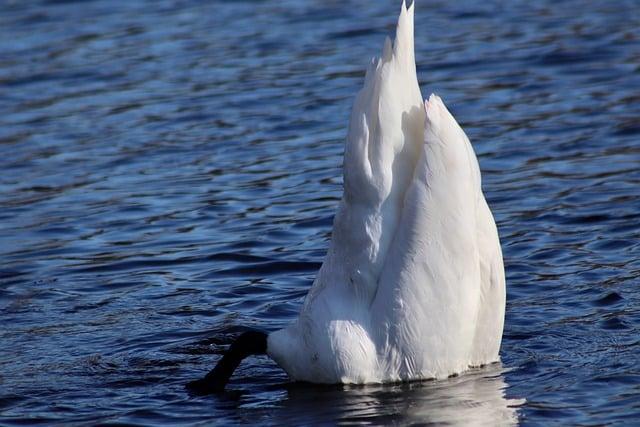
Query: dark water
[{"x": 169, "y": 172}]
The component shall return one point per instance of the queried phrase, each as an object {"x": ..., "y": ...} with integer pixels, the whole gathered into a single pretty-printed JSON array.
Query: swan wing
[
  {"x": 490, "y": 322},
  {"x": 430, "y": 288}
]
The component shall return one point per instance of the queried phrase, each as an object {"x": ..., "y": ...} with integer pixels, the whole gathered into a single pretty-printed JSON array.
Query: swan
[{"x": 412, "y": 286}]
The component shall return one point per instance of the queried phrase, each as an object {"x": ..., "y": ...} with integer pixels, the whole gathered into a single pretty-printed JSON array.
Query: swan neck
[{"x": 248, "y": 344}]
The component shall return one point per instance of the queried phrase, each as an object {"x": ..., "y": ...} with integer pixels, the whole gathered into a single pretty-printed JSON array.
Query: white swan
[{"x": 412, "y": 286}]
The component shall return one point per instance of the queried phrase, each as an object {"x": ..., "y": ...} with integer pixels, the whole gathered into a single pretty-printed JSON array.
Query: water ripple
[{"x": 171, "y": 170}]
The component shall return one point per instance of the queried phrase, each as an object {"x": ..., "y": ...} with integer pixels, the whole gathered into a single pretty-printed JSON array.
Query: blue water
[{"x": 169, "y": 171}]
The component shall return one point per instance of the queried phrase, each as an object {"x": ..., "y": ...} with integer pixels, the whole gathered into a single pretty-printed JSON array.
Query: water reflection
[{"x": 476, "y": 398}]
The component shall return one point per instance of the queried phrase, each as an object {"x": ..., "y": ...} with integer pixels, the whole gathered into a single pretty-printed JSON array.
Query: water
[{"x": 170, "y": 171}]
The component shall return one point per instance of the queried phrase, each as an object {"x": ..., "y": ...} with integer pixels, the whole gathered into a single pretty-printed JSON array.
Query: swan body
[{"x": 412, "y": 286}]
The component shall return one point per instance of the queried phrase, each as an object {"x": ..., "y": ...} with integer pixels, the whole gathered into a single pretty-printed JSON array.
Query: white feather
[{"x": 412, "y": 286}]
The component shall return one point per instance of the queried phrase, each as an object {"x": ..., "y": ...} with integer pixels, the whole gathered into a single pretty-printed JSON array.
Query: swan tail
[{"x": 383, "y": 144}]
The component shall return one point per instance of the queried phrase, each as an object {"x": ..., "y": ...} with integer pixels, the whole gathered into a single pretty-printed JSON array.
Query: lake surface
[{"x": 169, "y": 171}]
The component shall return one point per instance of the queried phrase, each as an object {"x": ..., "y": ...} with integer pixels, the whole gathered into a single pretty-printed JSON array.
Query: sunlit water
[{"x": 169, "y": 171}]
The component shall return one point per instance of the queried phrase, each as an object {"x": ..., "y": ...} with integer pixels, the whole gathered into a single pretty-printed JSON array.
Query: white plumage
[{"x": 412, "y": 286}]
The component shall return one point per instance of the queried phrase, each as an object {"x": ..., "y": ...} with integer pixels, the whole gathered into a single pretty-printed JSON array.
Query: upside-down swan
[{"x": 412, "y": 286}]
